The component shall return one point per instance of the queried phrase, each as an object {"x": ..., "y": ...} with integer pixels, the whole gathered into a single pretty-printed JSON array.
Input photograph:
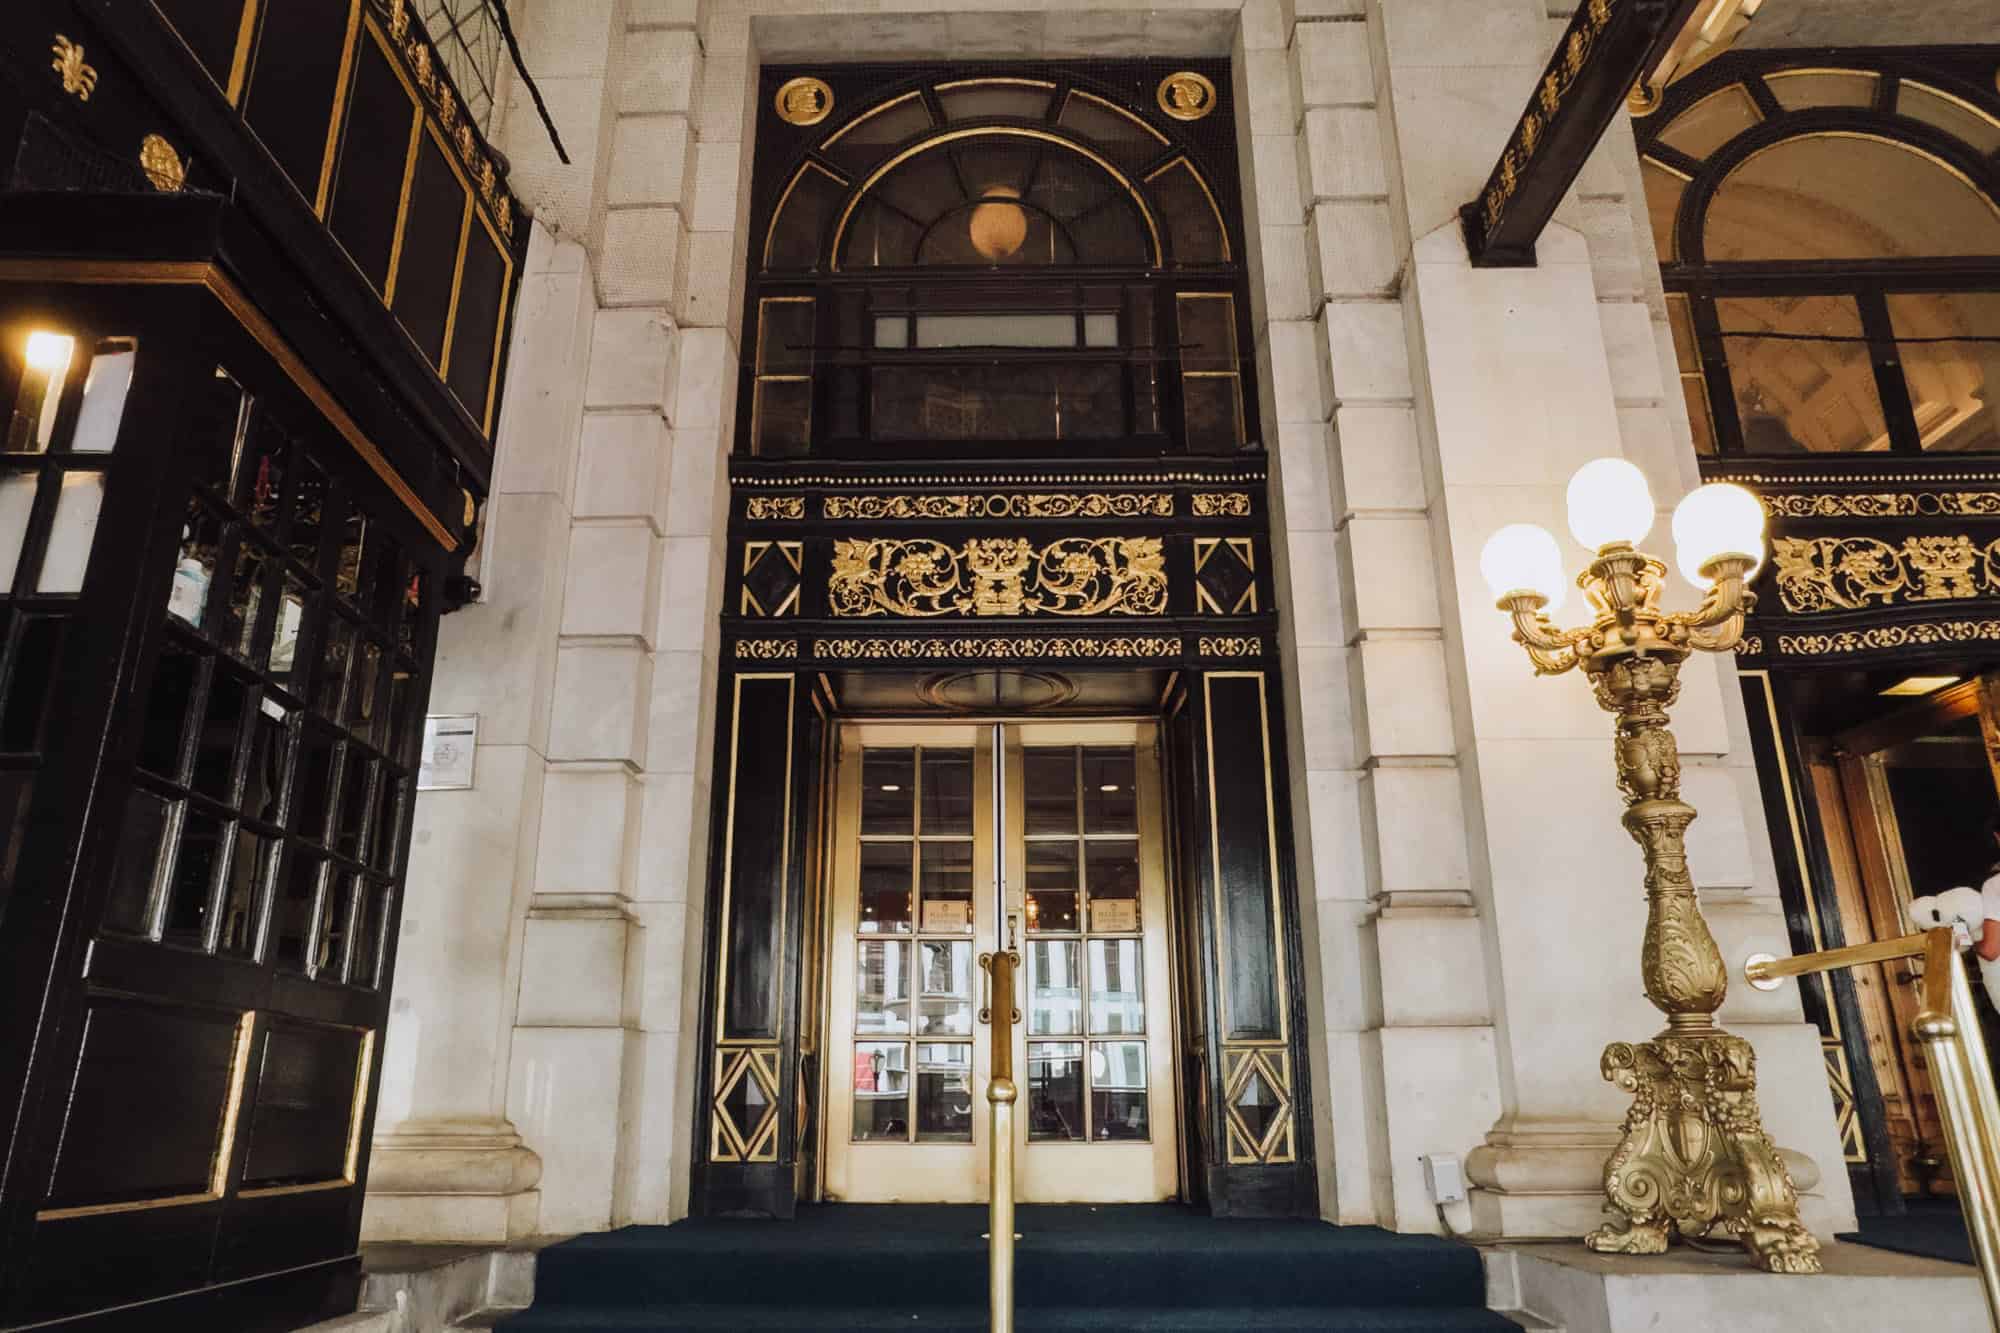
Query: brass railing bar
[
  {"x": 1000, "y": 1097},
  {"x": 1955, "y": 1052},
  {"x": 1948, "y": 1027},
  {"x": 1854, "y": 955}
]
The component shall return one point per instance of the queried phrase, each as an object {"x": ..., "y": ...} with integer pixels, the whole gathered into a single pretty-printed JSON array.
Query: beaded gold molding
[
  {"x": 1027, "y": 647},
  {"x": 1093, "y": 504}
]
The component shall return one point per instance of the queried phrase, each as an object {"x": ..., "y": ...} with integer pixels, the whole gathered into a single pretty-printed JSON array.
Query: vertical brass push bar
[
  {"x": 1000, "y": 1096},
  {"x": 1000, "y": 966},
  {"x": 1948, "y": 1028}
]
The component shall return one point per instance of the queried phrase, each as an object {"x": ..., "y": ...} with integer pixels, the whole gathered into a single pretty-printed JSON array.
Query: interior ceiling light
[
  {"x": 1912, "y": 685},
  {"x": 998, "y": 228}
]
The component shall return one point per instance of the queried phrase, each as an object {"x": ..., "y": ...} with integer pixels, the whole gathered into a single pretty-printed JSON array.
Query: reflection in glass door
[{"x": 913, "y": 905}]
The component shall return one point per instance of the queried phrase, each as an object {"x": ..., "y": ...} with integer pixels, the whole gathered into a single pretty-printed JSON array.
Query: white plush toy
[{"x": 1966, "y": 911}]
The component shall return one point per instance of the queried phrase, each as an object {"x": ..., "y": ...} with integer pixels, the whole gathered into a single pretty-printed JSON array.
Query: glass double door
[{"x": 957, "y": 841}]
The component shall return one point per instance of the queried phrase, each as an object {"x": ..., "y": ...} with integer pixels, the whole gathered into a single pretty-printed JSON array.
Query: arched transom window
[
  {"x": 1018, "y": 261},
  {"x": 1829, "y": 237}
]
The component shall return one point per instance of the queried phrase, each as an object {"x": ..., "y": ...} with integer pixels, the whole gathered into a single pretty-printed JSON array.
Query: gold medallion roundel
[
  {"x": 1186, "y": 95},
  {"x": 804, "y": 101}
]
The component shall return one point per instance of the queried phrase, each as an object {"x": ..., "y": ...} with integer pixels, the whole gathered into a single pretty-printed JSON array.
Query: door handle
[{"x": 986, "y": 988}]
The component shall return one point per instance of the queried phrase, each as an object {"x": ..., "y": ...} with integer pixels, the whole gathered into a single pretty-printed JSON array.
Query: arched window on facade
[
  {"x": 1032, "y": 262},
  {"x": 1829, "y": 241}
]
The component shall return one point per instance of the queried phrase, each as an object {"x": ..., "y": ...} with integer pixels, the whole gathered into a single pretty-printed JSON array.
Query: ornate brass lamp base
[{"x": 1695, "y": 1160}]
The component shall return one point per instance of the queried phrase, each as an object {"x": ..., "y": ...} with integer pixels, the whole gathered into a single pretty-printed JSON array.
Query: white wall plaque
[{"x": 449, "y": 742}]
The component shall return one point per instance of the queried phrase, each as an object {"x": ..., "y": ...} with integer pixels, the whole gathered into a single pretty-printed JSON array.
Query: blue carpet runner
[
  {"x": 922, "y": 1269},
  {"x": 1933, "y": 1228}
]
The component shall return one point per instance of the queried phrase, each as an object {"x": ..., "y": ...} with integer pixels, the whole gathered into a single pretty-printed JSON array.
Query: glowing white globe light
[
  {"x": 1609, "y": 501},
  {"x": 1715, "y": 520},
  {"x": 1522, "y": 557}
]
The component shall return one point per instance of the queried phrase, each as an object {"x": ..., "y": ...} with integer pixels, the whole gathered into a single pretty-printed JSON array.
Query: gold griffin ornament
[
  {"x": 998, "y": 576},
  {"x": 1186, "y": 95},
  {"x": 804, "y": 101}
]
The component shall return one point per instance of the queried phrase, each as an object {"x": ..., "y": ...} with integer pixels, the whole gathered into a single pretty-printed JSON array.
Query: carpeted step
[
  {"x": 1279, "y": 1319},
  {"x": 1148, "y": 1268},
  {"x": 1122, "y": 1257}
]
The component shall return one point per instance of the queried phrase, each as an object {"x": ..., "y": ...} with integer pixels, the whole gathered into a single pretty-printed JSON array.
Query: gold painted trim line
[
  {"x": 863, "y": 119},
  {"x": 336, "y": 118},
  {"x": 239, "y": 63},
  {"x": 357, "y": 1116},
  {"x": 778, "y": 213},
  {"x": 201, "y": 273},
  {"x": 1110, "y": 105},
  {"x": 457, "y": 284},
  {"x": 1281, "y": 987},
  {"x": 989, "y": 83},
  {"x": 403, "y": 205},
  {"x": 1221, "y": 224},
  {"x": 1002, "y": 132},
  {"x": 225, "y": 1143},
  {"x": 729, "y": 837}
]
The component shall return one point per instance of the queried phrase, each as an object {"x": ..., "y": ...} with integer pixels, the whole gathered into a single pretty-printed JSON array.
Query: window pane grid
[
  {"x": 1084, "y": 956},
  {"x": 913, "y": 975},
  {"x": 265, "y": 817}
]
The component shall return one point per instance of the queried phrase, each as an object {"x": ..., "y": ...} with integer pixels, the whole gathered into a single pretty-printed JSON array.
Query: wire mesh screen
[{"x": 467, "y": 38}]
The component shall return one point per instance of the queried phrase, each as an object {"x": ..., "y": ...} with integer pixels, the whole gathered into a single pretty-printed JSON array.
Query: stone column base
[
  {"x": 1548, "y": 1183},
  {"x": 453, "y": 1182}
]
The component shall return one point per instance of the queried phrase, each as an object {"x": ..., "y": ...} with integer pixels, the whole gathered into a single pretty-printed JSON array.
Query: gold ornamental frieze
[
  {"x": 759, "y": 508},
  {"x": 1884, "y": 637},
  {"x": 998, "y": 576},
  {"x": 1850, "y": 573},
  {"x": 1220, "y": 504},
  {"x": 1002, "y": 648},
  {"x": 1886, "y": 504},
  {"x": 1084, "y": 504}
]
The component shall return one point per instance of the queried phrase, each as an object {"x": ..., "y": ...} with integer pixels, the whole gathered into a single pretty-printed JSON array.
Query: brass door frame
[{"x": 993, "y": 901}]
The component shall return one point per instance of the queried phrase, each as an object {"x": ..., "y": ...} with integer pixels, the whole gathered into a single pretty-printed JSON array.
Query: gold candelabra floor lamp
[{"x": 1694, "y": 1160}]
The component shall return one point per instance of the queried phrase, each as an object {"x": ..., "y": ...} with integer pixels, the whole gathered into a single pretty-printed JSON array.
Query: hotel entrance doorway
[{"x": 953, "y": 841}]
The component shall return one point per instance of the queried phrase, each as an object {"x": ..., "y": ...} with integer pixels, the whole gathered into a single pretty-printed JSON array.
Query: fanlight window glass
[
  {"x": 1000, "y": 199},
  {"x": 1847, "y": 196},
  {"x": 1884, "y": 334},
  {"x": 1000, "y": 259}
]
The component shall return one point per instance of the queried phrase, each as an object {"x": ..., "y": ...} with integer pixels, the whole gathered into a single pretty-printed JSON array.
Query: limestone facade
[{"x": 1471, "y": 904}]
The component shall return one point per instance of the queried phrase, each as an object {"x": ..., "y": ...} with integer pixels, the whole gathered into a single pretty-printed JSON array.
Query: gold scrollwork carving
[
  {"x": 767, "y": 650},
  {"x": 1571, "y": 59},
  {"x": 78, "y": 79},
  {"x": 1750, "y": 645},
  {"x": 1093, "y": 504},
  {"x": 998, "y": 576},
  {"x": 1220, "y": 504},
  {"x": 761, "y": 507},
  {"x": 1891, "y": 636},
  {"x": 1028, "y": 647},
  {"x": 1886, "y": 504},
  {"x": 1849, "y": 573},
  {"x": 1228, "y": 645}
]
